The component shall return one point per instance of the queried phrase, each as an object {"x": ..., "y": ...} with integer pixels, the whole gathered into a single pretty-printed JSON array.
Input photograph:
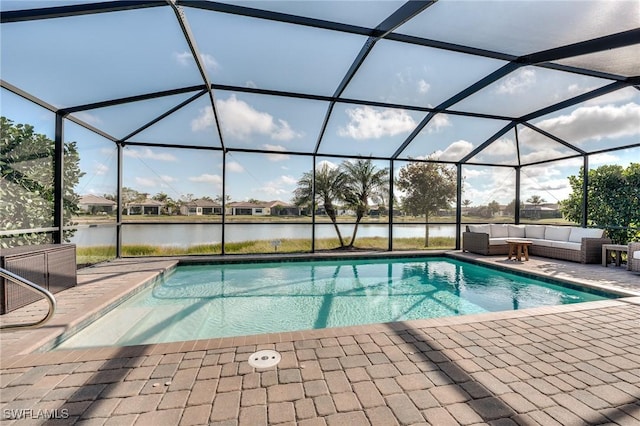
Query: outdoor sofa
[
  {"x": 633, "y": 257},
  {"x": 572, "y": 243}
]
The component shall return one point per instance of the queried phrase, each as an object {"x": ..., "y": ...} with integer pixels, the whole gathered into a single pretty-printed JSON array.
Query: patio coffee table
[
  {"x": 617, "y": 250},
  {"x": 519, "y": 247}
]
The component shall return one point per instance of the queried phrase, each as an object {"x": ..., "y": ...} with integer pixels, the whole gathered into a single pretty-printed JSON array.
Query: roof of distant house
[
  {"x": 247, "y": 205},
  {"x": 146, "y": 203},
  {"x": 95, "y": 200},
  {"x": 201, "y": 202}
]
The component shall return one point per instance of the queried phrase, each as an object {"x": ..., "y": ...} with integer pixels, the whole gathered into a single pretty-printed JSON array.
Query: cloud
[
  {"x": 595, "y": 123},
  {"x": 251, "y": 84},
  {"x": 284, "y": 132},
  {"x": 369, "y": 123},
  {"x": 320, "y": 165},
  {"x": 619, "y": 96},
  {"x": 147, "y": 182},
  {"x": 168, "y": 179},
  {"x": 186, "y": 58},
  {"x": 576, "y": 89},
  {"x": 408, "y": 85},
  {"x": 207, "y": 178},
  {"x": 209, "y": 62},
  {"x": 502, "y": 147},
  {"x": 100, "y": 169},
  {"x": 276, "y": 157},
  {"x": 277, "y": 187},
  {"x": 234, "y": 166},
  {"x": 274, "y": 147},
  {"x": 162, "y": 182},
  {"x": 271, "y": 189},
  {"x": 288, "y": 180},
  {"x": 547, "y": 181},
  {"x": 455, "y": 151},
  {"x": 437, "y": 123},
  {"x": 545, "y": 171},
  {"x": 483, "y": 185},
  {"x": 423, "y": 86},
  {"x": 517, "y": 82},
  {"x": 204, "y": 120},
  {"x": 241, "y": 121},
  {"x": 604, "y": 158},
  {"x": 147, "y": 153},
  {"x": 183, "y": 58},
  {"x": 88, "y": 118},
  {"x": 541, "y": 155}
]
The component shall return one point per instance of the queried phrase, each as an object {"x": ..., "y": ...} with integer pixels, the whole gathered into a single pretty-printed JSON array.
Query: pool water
[{"x": 209, "y": 301}]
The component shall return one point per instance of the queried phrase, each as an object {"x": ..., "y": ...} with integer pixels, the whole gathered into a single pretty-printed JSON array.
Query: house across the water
[
  {"x": 200, "y": 207},
  {"x": 94, "y": 204}
]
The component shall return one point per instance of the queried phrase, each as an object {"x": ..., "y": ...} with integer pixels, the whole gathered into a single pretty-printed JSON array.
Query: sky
[{"x": 130, "y": 53}]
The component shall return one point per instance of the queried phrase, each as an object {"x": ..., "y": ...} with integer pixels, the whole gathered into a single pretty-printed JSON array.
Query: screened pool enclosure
[{"x": 197, "y": 127}]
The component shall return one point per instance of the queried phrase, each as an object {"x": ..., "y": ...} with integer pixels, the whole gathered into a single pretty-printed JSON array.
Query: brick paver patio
[{"x": 567, "y": 365}]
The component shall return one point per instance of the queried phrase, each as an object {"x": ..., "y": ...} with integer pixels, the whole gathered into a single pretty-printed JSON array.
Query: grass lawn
[{"x": 95, "y": 254}]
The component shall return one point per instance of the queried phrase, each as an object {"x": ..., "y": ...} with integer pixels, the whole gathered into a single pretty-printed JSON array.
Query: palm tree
[
  {"x": 364, "y": 181},
  {"x": 329, "y": 185},
  {"x": 536, "y": 200}
]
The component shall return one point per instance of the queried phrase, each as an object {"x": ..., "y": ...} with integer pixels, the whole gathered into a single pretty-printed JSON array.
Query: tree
[
  {"x": 329, "y": 185},
  {"x": 364, "y": 181},
  {"x": 481, "y": 211},
  {"x": 493, "y": 207},
  {"x": 186, "y": 198},
  {"x": 613, "y": 200},
  {"x": 511, "y": 207},
  {"x": 227, "y": 199},
  {"x": 536, "y": 200},
  {"x": 130, "y": 195},
  {"x": 169, "y": 204},
  {"x": 27, "y": 183},
  {"x": 428, "y": 187}
]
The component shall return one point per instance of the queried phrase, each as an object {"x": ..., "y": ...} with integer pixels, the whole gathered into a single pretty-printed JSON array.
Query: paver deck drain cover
[{"x": 264, "y": 359}]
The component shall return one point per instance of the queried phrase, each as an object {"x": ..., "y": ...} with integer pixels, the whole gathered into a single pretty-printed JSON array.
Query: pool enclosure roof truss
[{"x": 389, "y": 29}]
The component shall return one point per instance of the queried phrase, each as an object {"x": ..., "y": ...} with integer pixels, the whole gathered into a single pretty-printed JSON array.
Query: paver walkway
[{"x": 566, "y": 365}]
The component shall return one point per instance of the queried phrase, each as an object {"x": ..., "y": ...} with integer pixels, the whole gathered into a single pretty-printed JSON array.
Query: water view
[{"x": 184, "y": 235}]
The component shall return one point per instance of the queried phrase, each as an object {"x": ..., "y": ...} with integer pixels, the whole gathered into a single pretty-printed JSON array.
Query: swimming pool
[{"x": 209, "y": 301}]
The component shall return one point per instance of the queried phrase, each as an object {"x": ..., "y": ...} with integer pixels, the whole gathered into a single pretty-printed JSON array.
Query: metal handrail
[{"x": 31, "y": 286}]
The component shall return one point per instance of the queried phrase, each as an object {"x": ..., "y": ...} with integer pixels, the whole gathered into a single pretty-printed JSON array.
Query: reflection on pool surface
[{"x": 208, "y": 301}]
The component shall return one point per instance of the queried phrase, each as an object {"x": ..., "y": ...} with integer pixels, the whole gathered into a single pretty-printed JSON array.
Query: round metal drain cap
[{"x": 264, "y": 359}]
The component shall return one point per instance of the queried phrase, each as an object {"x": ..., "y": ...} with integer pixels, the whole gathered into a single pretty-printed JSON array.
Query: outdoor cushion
[
  {"x": 544, "y": 243},
  {"x": 578, "y": 233},
  {"x": 566, "y": 245},
  {"x": 516, "y": 231},
  {"x": 536, "y": 241},
  {"x": 497, "y": 241},
  {"x": 483, "y": 229},
  {"x": 534, "y": 231},
  {"x": 557, "y": 233},
  {"x": 499, "y": 231}
]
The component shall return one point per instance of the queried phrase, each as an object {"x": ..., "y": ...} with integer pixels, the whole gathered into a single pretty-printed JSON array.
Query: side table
[
  {"x": 616, "y": 249},
  {"x": 519, "y": 247}
]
